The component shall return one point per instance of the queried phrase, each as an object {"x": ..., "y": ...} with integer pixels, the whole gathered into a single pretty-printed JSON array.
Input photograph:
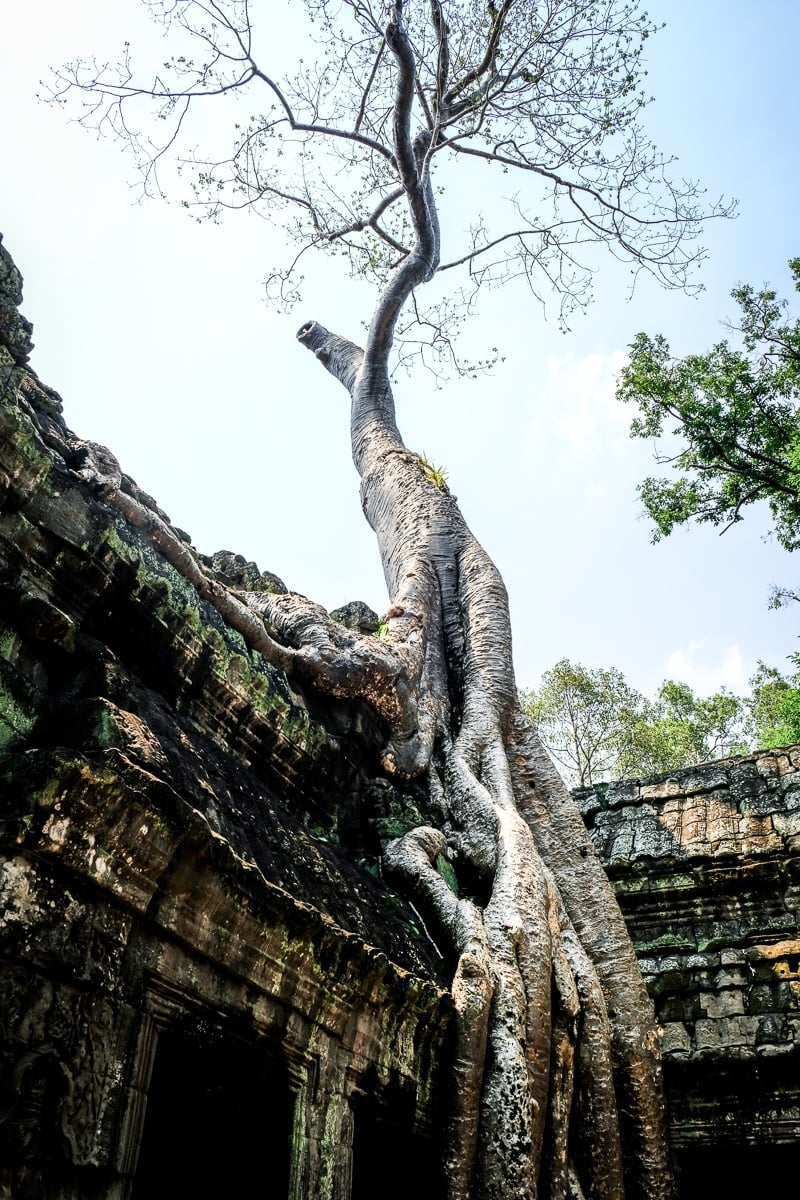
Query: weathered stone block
[
  {"x": 738, "y": 1030},
  {"x": 707, "y": 1035},
  {"x": 771, "y": 1029},
  {"x": 724, "y": 1003},
  {"x": 675, "y": 1039}
]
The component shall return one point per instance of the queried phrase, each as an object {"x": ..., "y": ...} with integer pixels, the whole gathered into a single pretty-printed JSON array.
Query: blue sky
[{"x": 154, "y": 330}]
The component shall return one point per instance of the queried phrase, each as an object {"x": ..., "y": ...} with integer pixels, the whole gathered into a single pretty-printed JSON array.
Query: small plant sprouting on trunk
[{"x": 435, "y": 475}]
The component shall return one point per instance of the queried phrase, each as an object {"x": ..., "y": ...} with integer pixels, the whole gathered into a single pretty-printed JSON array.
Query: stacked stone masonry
[{"x": 705, "y": 864}]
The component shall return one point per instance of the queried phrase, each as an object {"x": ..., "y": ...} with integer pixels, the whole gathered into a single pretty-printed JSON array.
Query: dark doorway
[
  {"x": 736, "y": 1172},
  {"x": 218, "y": 1121},
  {"x": 390, "y": 1160}
]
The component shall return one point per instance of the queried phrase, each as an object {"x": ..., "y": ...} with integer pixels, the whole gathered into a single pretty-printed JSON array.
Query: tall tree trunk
[{"x": 557, "y": 1042}]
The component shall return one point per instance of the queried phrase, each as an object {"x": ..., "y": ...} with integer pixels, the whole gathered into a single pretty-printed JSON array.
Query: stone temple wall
[
  {"x": 204, "y": 979},
  {"x": 706, "y": 866}
]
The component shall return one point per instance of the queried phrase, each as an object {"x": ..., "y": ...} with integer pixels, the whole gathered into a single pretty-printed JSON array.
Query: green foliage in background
[
  {"x": 727, "y": 422},
  {"x": 597, "y": 727}
]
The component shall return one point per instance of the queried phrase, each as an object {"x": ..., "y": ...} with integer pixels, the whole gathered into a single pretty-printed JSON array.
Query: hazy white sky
[{"x": 154, "y": 331}]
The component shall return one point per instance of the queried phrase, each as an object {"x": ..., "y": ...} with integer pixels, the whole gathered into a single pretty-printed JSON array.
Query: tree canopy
[
  {"x": 774, "y": 706},
  {"x": 547, "y": 96},
  {"x": 736, "y": 415},
  {"x": 597, "y": 727},
  {"x": 583, "y": 717}
]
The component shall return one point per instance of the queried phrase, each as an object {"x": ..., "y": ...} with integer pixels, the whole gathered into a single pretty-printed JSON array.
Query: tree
[
  {"x": 556, "y": 1059},
  {"x": 681, "y": 729},
  {"x": 738, "y": 415},
  {"x": 774, "y": 706},
  {"x": 598, "y": 728},
  {"x": 585, "y": 719}
]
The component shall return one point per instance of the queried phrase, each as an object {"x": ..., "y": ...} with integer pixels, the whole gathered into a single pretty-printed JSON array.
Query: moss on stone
[
  {"x": 445, "y": 869},
  {"x": 28, "y": 461},
  {"x": 15, "y": 720}
]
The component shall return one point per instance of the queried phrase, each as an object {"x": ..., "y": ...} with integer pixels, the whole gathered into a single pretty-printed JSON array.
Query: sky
[{"x": 155, "y": 331}]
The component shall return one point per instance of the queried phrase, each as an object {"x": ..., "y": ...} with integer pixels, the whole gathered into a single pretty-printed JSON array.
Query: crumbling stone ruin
[
  {"x": 705, "y": 865},
  {"x": 204, "y": 979}
]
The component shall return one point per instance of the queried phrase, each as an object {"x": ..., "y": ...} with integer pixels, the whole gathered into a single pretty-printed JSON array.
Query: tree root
[{"x": 534, "y": 1099}]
